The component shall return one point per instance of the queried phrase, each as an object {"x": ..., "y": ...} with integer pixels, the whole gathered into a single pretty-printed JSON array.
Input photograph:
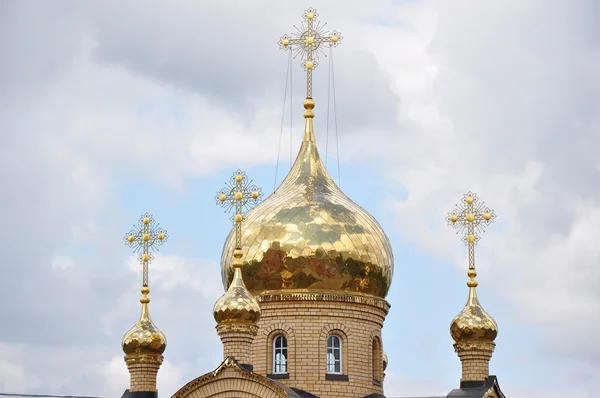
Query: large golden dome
[{"x": 309, "y": 235}]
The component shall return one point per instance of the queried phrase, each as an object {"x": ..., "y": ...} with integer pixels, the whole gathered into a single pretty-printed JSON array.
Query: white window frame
[
  {"x": 282, "y": 349},
  {"x": 333, "y": 348}
]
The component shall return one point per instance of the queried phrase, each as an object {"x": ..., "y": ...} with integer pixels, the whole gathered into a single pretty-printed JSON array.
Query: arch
[
  {"x": 269, "y": 334},
  {"x": 229, "y": 380},
  {"x": 342, "y": 332},
  {"x": 377, "y": 359}
]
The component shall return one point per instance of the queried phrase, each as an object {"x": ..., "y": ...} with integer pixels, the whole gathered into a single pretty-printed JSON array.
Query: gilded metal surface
[
  {"x": 145, "y": 238},
  {"x": 473, "y": 323},
  {"x": 308, "y": 41},
  {"x": 144, "y": 358},
  {"x": 239, "y": 194},
  {"x": 309, "y": 235},
  {"x": 470, "y": 218},
  {"x": 237, "y": 305},
  {"x": 144, "y": 337},
  {"x": 237, "y": 328}
]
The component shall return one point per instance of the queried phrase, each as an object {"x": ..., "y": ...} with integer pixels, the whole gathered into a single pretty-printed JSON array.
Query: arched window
[
  {"x": 280, "y": 354},
  {"x": 334, "y": 354},
  {"x": 377, "y": 361}
]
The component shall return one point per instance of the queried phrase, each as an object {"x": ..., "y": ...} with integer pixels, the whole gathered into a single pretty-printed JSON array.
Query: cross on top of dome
[{"x": 308, "y": 41}]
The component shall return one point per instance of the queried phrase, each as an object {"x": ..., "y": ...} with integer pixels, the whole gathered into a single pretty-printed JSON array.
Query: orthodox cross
[
  {"x": 144, "y": 238},
  {"x": 470, "y": 218},
  {"x": 308, "y": 40},
  {"x": 239, "y": 194}
]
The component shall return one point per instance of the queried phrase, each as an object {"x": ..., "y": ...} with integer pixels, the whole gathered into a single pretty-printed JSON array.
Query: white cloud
[
  {"x": 498, "y": 97},
  {"x": 13, "y": 378},
  {"x": 61, "y": 262}
]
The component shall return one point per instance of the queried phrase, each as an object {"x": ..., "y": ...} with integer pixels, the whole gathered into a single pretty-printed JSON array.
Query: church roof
[{"x": 491, "y": 384}]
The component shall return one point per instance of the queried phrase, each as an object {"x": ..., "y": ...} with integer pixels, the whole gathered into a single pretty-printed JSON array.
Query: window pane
[
  {"x": 280, "y": 354},
  {"x": 336, "y": 353}
]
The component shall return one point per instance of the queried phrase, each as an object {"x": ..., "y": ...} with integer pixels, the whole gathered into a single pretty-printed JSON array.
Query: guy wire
[
  {"x": 328, "y": 107},
  {"x": 337, "y": 141},
  {"x": 287, "y": 73}
]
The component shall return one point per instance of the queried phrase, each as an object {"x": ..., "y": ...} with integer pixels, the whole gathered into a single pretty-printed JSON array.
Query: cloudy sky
[{"x": 110, "y": 109}]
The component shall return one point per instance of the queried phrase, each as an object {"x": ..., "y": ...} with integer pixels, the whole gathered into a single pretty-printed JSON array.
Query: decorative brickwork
[
  {"x": 307, "y": 319},
  {"x": 271, "y": 332},
  {"x": 231, "y": 381},
  {"x": 142, "y": 371},
  {"x": 237, "y": 341},
  {"x": 475, "y": 359}
]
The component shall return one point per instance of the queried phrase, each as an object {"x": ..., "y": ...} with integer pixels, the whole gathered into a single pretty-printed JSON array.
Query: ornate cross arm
[
  {"x": 307, "y": 41},
  {"x": 239, "y": 194},
  {"x": 470, "y": 218},
  {"x": 145, "y": 238}
]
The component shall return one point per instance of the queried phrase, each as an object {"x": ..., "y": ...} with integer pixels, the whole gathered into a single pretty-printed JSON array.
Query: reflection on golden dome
[
  {"x": 144, "y": 337},
  {"x": 473, "y": 324},
  {"x": 309, "y": 235},
  {"x": 237, "y": 305}
]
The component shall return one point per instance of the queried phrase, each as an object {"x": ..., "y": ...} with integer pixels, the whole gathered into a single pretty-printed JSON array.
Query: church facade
[{"x": 306, "y": 273}]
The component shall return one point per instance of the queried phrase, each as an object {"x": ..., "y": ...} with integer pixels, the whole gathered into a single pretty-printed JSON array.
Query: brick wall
[
  {"x": 142, "y": 371},
  {"x": 307, "y": 324}
]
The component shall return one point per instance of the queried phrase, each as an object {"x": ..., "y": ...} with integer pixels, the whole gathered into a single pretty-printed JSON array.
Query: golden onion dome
[
  {"x": 473, "y": 323},
  {"x": 144, "y": 337},
  {"x": 237, "y": 305},
  {"x": 309, "y": 235}
]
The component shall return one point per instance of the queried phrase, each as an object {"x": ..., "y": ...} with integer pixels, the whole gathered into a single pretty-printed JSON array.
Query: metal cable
[
  {"x": 337, "y": 141},
  {"x": 328, "y": 106},
  {"x": 287, "y": 73},
  {"x": 291, "y": 106}
]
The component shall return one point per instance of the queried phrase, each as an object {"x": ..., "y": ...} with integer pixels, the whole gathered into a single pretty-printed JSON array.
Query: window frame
[
  {"x": 284, "y": 347},
  {"x": 333, "y": 348}
]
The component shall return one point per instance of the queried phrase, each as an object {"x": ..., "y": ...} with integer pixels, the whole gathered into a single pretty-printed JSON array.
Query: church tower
[
  {"x": 237, "y": 312},
  {"x": 144, "y": 343},
  {"x": 473, "y": 329},
  {"x": 318, "y": 264}
]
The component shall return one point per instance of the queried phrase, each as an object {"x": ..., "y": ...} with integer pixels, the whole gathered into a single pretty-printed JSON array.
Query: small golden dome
[
  {"x": 385, "y": 360},
  {"x": 237, "y": 305},
  {"x": 309, "y": 235},
  {"x": 473, "y": 323},
  {"x": 144, "y": 337}
]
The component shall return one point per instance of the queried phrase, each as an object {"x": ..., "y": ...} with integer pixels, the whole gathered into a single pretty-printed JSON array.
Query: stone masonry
[
  {"x": 475, "y": 359},
  {"x": 307, "y": 320},
  {"x": 142, "y": 371}
]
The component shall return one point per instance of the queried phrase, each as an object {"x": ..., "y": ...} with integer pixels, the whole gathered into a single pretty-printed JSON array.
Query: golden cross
[
  {"x": 470, "y": 218},
  {"x": 307, "y": 40},
  {"x": 145, "y": 238},
  {"x": 239, "y": 194}
]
